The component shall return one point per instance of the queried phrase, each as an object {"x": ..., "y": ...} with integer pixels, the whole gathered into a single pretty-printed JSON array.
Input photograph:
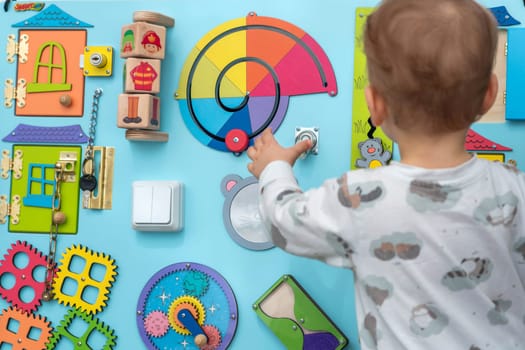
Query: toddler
[{"x": 436, "y": 240}]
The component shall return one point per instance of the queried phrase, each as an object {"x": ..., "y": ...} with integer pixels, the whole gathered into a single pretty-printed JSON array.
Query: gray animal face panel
[{"x": 241, "y": 213}]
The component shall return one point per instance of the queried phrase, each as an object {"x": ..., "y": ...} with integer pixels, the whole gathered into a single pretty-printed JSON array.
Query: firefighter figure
[
  {"x": 143, "y": 75},
  {"x": 151, "y": 42}
]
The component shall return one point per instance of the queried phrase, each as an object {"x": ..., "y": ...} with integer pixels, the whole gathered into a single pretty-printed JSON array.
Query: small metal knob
[{"x": 311, "y": 134}]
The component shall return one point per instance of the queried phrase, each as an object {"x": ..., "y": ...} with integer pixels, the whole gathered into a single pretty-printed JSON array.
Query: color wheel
[{"x": 239, "y": 77}]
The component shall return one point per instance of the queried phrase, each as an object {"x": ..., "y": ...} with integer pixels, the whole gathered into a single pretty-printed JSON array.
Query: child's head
[{"x": 431, "y": 60}]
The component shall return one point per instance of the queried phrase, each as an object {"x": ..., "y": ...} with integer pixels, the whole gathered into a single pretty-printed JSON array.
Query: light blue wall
[{"x": 204, "y": 240}]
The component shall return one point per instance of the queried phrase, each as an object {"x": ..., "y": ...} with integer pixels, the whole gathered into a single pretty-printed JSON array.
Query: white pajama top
[{"x": 438, "y": 255}]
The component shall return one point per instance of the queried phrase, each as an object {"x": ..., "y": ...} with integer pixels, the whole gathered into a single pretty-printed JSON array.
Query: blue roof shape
[
  {"x": 52, "y": 17},
  {"x": 503, "y": 16},
  {"x": 47, "y": 134}
]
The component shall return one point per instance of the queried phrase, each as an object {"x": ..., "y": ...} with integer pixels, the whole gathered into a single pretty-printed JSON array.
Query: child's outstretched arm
[
  {"x": 266, "y": 149},
  {"x": 309, "y": 224}
]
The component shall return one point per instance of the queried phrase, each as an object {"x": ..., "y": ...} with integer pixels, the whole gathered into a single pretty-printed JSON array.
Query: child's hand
[{"x": 266, "y": 149}]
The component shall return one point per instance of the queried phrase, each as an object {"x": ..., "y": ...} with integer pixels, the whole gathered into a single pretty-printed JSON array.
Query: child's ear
[
  {"x": 490, "y": 94},
  {"x": 376, "y": 105}
]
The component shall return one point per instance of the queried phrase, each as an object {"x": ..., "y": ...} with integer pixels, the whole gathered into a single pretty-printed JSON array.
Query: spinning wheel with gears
[{"x": 188, "y": 306}]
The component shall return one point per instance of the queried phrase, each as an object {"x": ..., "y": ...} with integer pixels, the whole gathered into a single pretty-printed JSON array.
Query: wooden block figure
[
  {"x": 142, "y": 75},
  {"x": 141, "y": 39},
  {"x": 138, "y": 111},
  {"x": 143, "y": 47}
]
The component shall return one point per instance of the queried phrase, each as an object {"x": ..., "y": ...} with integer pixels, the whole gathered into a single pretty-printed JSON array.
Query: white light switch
[
  {"x": 161, "y": 205},
  {"x": 157, "y": 206}
]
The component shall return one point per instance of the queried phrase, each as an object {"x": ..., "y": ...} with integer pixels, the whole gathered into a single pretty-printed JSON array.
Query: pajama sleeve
[
  {"x": 519, "y": 241},
  {"x": 308, "y": 224}
]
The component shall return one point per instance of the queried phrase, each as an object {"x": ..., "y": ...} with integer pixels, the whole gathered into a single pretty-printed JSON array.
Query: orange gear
[
  {"x": 27, "y": 321},
  {"x": 190, "y": 303}
]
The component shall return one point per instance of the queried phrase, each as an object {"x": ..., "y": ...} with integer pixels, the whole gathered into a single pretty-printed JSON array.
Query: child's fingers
[
  {"x": 267, "y": 135},
  {"x": 303, "y": 146},
  {"x": 253, "y": 170},
  {"x": 258, "y": 142},
  {"x": 251, "y": 152}
]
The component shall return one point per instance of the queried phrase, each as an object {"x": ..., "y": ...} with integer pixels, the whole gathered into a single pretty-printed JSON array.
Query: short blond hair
[{"x": 431, "y": 60}]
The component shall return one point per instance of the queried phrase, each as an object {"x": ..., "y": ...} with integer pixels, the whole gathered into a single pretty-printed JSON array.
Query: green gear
[{"x": 81, "y": 342}]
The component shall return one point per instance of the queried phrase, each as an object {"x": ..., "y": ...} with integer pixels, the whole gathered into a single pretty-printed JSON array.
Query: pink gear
[
  {"x": 23, "y": 276},
  {"x": 214, "y": 337},
  {"x": 156, "y": 324}
]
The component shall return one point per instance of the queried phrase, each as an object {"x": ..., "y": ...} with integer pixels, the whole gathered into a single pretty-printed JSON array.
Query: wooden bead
[
  {"x": 201, "y": 340},
  {"x": 59, "y": 217}
]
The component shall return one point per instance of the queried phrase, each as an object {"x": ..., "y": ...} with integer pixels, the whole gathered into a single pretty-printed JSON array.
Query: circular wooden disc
[
  {"x": 153, "y": 18},
  {"x": 146, "y": 135}
]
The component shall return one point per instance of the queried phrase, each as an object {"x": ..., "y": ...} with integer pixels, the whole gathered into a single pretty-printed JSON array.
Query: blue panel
[
  {"x": 515, "y": 108},
  {"x": 204, "y": 239}
]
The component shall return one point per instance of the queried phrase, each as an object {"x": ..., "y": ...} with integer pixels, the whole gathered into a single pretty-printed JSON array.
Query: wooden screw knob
[
  {"x": 65, "y": 100},
  {"x": 59, "y": 217}
]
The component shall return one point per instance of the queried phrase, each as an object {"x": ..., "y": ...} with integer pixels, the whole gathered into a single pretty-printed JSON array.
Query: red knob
[{"x": 237, "y": 140}]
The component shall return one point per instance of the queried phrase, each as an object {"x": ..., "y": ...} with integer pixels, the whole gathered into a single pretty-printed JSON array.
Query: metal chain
[
  {"x": 93, "y": 124},
  {"x": 57, "y": 218}
]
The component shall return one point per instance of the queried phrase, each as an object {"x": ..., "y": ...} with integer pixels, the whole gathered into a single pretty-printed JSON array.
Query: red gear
[{"x": 23, "y": 276}]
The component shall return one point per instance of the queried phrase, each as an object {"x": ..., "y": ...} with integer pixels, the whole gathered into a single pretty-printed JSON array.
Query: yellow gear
[
  {"x": 84, "y": 279},
  {"x": 190, "y": 303}
]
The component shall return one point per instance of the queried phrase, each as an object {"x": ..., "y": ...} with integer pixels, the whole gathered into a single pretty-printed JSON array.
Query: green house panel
[{"x": 37, "y": 218}]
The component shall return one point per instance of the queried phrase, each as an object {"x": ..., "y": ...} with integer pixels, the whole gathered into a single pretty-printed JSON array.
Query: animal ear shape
[
  {"x": 228, "y": 183},
  {"x": 379, "y": 142}
]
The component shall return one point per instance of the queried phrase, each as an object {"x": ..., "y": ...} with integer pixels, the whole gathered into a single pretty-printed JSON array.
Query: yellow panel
[
  {"x": 204, "y": 79},
  {"x": 181, "y": 91},
  {"x": 497, "y": 157},
  {"x": 226, "y": 49},
  {"x": 238, "y": 22}
]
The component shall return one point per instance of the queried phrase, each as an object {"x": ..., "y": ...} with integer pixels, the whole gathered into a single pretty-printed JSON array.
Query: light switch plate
[{"x": 157, "y": 206}]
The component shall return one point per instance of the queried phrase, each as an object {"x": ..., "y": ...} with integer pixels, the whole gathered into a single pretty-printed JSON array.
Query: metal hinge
[
  {"x": 20, "y": 49},
  {"x": 102, "y": 198},
  {"x": 12, "y": 210},
  {"x": 11, "y": 165},
  {"x": 17, "y": 93}
]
